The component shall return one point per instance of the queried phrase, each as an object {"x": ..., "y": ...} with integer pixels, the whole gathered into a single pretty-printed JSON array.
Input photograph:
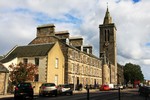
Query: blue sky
[
  {"x": 19, "y": 19},
  {"x": 136, "y": 1}
]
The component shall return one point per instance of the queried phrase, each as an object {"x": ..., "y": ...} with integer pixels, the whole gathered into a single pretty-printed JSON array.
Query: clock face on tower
[{"x": 106, "y": 44}]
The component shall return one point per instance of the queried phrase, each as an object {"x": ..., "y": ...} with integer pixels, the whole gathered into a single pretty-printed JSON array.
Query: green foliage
[
  {"x": 133, "y": 72},
  {"x": 22, "y": 72}
]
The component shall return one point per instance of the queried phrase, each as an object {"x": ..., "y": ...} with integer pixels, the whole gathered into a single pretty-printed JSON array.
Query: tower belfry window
[
  {"x": 107, "y": 37},
  {"x": 108, "y": 34}
]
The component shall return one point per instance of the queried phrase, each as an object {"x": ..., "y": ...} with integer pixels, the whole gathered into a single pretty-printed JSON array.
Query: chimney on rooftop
[
  {"x": 87, "y": 49},
  {"x": 46, "y": 30}
]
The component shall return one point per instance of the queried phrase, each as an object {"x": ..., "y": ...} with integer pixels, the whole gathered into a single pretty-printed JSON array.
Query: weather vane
[{"x": 107, "y": 4}]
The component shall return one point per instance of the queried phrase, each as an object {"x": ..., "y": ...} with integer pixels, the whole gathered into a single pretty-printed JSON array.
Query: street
[{"x": 126, "y": 94}]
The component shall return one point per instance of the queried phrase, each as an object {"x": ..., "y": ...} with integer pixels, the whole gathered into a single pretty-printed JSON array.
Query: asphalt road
[{"x": 127, "y": 94}]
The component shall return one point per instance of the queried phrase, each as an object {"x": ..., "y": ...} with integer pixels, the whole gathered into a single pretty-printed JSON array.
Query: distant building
[{"x": 120, "y": 75}]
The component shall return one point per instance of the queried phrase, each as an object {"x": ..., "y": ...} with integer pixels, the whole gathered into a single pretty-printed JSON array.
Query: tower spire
[
  {"x": 107, "y": 4},
  {"x": 107, "y": 18}
]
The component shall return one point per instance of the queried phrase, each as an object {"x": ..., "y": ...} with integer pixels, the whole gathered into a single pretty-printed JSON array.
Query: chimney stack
[
  {"x": 46, "y": 30},
  {"x": 87, "y": 49}
]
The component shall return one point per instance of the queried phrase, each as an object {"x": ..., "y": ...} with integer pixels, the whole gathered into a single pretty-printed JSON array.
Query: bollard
[
  {"x": 146, "y": 96},
  {"x": 119, "y": 92},
  {"x": 88, "y": 94}
]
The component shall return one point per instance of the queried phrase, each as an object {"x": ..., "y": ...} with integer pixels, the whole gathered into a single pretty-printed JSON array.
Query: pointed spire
[{"x": 107, "y": 18}]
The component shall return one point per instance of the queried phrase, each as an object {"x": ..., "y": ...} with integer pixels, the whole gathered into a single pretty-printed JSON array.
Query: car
[
  {"x": 65, "y": 89},
  {"x": 144, "y": 90},
  {"x": 48, "y": 89},
  {"x": 104, "y": 88},
  {"x": 130, "y": 85},
  {"x": 118, "y": 86},
  {"x": 23, "y": 90},
  {"x": 111, "y": 86}
]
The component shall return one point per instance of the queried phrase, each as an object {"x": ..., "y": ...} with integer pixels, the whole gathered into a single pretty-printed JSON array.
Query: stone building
[
  {"x": 81, "y": 66},
  {"x": 48, "y": 58},
  {"x": 77, "y": 63},
  {"x": 43, "y": 56},
  {"x": 3, "y": 79},
  {"x": 108, "y": 49}
]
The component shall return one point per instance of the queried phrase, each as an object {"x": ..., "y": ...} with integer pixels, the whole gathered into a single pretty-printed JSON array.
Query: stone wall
[
  {"x": 36, "y": 86},
  {"x": 76, "y": 41},
  {"x": 105, "y": 74},
  {"x": 45, "y": 30},
  {"x": 2, "y": 80}
]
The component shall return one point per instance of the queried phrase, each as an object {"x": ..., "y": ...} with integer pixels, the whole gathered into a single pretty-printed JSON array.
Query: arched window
[
  {"x": 108, "y": 34},
  {"x": 105, "y": 35}
]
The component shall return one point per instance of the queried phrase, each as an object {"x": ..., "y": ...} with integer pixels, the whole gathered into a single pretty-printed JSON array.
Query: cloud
[{"x": 19, "y": 20}]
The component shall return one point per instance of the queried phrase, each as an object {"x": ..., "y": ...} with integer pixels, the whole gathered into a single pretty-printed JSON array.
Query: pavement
[
  {"x": 6, "y": 95},
  {"x": 132, "y": 95}
]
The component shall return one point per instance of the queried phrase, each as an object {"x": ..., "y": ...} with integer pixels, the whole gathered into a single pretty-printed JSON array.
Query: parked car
[
  {"x": 71, "y": 86},
  {"x": 23, "y": 90},
  {"x": 65, "y": 89},
  {"x": 144, "y": 90},
  {"x": 130, "y": 85},
  {"x": 104, "y": 88},
  {"x": 48, "y": 89},
  {"x": 111, "y": 86},
  {"x": 124, "y": 86},
  {"x": 118, "y": 86}
]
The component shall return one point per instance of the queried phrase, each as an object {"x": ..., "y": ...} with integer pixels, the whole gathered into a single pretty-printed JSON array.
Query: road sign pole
[
  {"x": 119, "y": 92},
  {"x": 88, "y": 93}
]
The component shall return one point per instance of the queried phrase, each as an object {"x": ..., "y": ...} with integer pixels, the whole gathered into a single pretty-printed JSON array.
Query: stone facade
[
  {"x": 2, "y": 81},
  {"x": 48, "y": 58},
  {"x": 55, "y": 65},
  {"x": 83, "y": 68},
  {"x": 45, "y": 30},
  {"x": 80, "y": 65},
  {"x": 77, "y": 64},
  {"x": 108, "y": 48},
  {"x": 74, "y": 41}
]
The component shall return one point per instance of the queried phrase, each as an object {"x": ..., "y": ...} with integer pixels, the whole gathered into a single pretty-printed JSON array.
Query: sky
[{"x": 20, "y": 18}]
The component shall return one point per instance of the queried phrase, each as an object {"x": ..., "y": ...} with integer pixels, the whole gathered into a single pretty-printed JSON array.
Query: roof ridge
[{"x": 38, "y": 44}]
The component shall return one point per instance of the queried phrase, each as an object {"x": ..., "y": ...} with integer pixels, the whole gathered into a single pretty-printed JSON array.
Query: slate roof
[
  {"x": 3, "y": 69},
  {"x": 28, "y": 51},
  {"x": 1, "y": 57}
]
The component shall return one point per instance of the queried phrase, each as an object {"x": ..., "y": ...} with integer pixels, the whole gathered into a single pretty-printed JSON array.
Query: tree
[
  {"x": 133, "y": 72},
  {"x": 22, "y": 72}
]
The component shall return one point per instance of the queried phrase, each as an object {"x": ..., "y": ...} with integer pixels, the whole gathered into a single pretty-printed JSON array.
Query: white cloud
[
  {"x": 146, "y": 61},
  {"x": 19, "y": 19}
]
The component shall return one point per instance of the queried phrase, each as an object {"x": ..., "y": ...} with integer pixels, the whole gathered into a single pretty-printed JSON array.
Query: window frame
[{"x": 56, "y": 63}]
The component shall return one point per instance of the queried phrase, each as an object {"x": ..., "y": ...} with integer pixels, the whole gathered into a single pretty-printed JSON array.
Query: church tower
[{"x": 108, "y": 50}]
